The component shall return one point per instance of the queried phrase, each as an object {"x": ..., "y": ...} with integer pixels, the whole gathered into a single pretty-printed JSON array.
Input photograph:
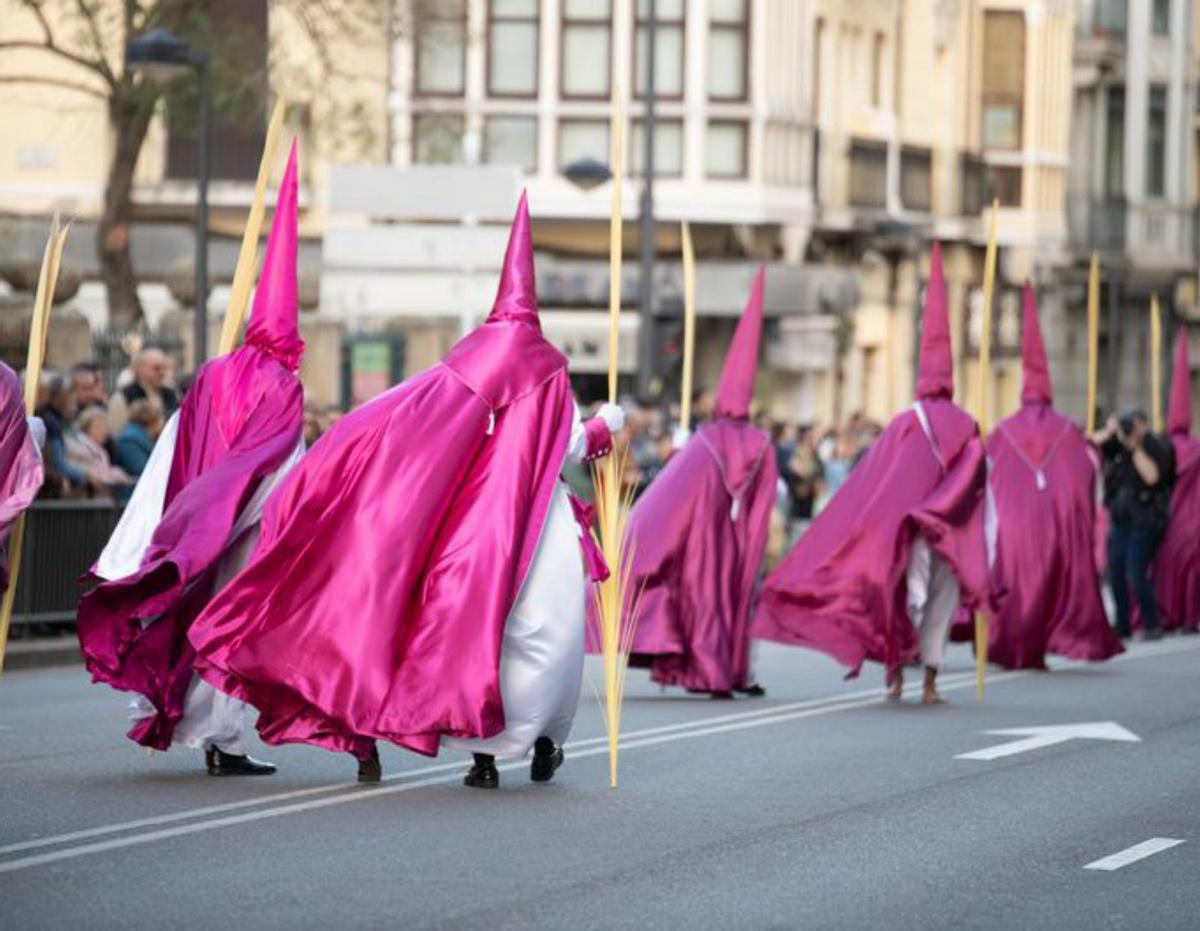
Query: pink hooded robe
[
  {"x": 699, "y": 533},
  {"x": 1177, "y": 565},
  {"x": 239, "y": 426},
  {"x": 842, "y": 590},
  {"x": 1043, "y": 481},
  {"x": 376, "y": 602},
  {"x": 20, "y": 462}
]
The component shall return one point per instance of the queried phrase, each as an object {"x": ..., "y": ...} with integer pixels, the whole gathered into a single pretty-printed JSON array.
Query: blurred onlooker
[
  {"x": 151, "y": 369},
  {"x": 63, "y": 477},
  {"x": 836, "y": 464},
  {"x": 1139, "y": 473},
  {"x": 803, "y": 476},
  {"x": 313, "y": 428},
  {"x": 136, "y": 440},
  {"x": 87, "y": 384},
  {"x": 87, "y": 448}
]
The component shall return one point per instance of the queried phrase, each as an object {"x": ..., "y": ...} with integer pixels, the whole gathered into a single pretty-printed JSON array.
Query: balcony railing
[
  {"x": 868, "y": 173},
  {"x": 1097, "y": 224},
  {"x": 1150, "y": 233}
]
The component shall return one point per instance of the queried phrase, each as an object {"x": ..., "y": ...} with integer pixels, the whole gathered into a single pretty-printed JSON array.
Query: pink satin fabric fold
[
  {"x": 20, "y": 462},
  {"x": 698, "y": 535},
  {"x": 842, "y": 588},
  {"x": 1048, "y": 590},
  {"x": 1177, "y": 566},
  {"x": 239, "y": 422},
  {"x": 374, "y": 605}
]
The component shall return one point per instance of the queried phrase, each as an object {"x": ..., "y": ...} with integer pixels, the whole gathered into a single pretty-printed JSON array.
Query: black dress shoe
[
  {"x": 220, "y": 763},
  {"x": 1152, "y": 633},
  {"x": 370, "y": 770},
  {"x": 721, "y": 695},
  {"x": 752, "y": 691},
  {"x": 547, "y": 758},
  {"x": 483, "y": 774},
  {"x": 1123, "y": 633}
]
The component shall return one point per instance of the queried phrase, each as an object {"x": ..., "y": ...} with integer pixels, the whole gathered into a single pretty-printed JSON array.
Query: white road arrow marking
[{"x": 1034, "y": 738}]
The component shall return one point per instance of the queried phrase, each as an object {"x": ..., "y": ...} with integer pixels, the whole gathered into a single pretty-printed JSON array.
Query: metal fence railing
[{"x": 62, "y": 541}]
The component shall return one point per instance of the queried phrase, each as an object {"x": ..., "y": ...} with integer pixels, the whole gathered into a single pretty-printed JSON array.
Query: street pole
[
  {"x": 647, "y": 381},
  {"x": 200, "y": 321}
]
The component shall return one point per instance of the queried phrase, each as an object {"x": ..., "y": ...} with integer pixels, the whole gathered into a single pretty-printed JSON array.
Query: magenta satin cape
[
  {"x": 374, "y": 604},
  {"x": 238, "y": 423},
  {"x": 1045, "y": 572},
  {"x": 1177, "y": 565},
  {"x": 695, "y": 565},
  {"x": 20, "y": 462},
  {"x": 842, "y": 588}
]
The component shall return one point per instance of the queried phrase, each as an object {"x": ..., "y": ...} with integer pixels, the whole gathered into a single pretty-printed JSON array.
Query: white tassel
[
  {"x": 491, "y": 423},
  {"x": 1041, "y": 480},
  {"x": 735, "y": 510}
]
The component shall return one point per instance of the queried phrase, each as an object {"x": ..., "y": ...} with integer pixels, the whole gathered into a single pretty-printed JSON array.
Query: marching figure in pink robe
[
  {"x": 193, "y": 519},
  {"x": 1177, "y": 565},
  {"x": 882, "y": 570},
  {"x": 419, "y": 578},
  {"x": 699, "y": 533},
  {"x": 21, "y": 440},
  {"x": 1043, "y": 482}
]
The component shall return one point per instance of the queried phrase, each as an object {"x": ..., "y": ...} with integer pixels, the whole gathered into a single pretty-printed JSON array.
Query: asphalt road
[{"x": 820, "y": 806}]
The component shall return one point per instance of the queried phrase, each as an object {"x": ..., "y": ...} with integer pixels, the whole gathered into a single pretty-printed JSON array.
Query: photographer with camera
[{"x": 1139, "y": 471}]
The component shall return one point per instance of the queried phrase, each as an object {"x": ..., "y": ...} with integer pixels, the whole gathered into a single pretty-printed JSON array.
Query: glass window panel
[
  {"x": 440, "y": 58},
  {"x": 580, "y": 139},
  {"x": 727, "y": 64},
  {"x": 727, "y": 11},
  {"x": 1114, "y": 143},
  {"x": 725, "y": 150},
  {"x": 585, "y": 61},
  {"x": 1001, "y": 127},
  {"x": 515, "y": 8},
  {"x": 437, "y": 138},
  {"x": 1162, "y": 17},
  {"x": 511, "y": 140},
  {"x": 668, "y": 148},
  {"x": 587, "y": 9},
  {"x": 1156, "y": 144},
  {"x": 513, "y": 58},
  {"x": 663, "y": 9},
  {"x": 668, "y": 61}
]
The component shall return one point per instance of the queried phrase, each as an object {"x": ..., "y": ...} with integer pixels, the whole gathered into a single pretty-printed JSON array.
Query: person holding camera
[{"x": 1139, "y": 471}]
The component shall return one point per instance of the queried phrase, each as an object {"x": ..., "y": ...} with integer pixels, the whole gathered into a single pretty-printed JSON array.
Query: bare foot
[
  {"x": 929, "y": 692},
  {"x": 896, "y": 689}
]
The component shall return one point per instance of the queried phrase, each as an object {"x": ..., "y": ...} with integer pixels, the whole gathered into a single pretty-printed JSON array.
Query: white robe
[
  {"x": 541, "y": 654},
  {"x": 210, "y": 718}
]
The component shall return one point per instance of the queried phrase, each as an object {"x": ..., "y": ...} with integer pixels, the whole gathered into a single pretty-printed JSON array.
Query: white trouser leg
[{"x": 933, "y": 597}]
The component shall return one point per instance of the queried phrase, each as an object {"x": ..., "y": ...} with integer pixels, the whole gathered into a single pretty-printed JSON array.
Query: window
[
  {"x": 586, "y": 48},
  {"x": 916, "y": 178},
  {"x": 877, "y": 51},
  {"x": 580, "y": 139},
  {"x": 1003, "y": 78},
  {"x": 1114, "y": 143},
  {"x": 511, "y": 140},
  {"x": 1111, "y": 18},
  {"x": 1005, "y": 184},
  {"x": 728, "y": 40},
  {"x": 441, "y": 39},
  {"x": 668, "y": 48},
  {"x": 725, "y": 150},
  {"x": 512, "y": 69},
  {"x": 1162, "y": 17},
  {"x": 437, "y": 138},
  {"x": 1156, "y": 143},
  {"x": 668, "y": 148}
]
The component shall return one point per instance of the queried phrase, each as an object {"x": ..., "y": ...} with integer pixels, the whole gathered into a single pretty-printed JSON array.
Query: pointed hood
[
  {"x": 1179, "y": 413},
  {"x": 736, "y": 388},
  {"x": 273, "y": 325},
  {"x": 1036, "y": 387},
  {"x": 516, "y": 299},
  {"x": 935, "y": 376}
]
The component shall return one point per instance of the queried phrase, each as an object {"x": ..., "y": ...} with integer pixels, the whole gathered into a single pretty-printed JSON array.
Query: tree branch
[
  {"x": 60, "y": 52},
  {"x": 88, "y": 12},
  {"x": 64, "y": 83}
]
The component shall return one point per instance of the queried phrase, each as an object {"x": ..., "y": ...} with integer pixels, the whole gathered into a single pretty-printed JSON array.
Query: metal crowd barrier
[{"x": 62, "y": 541}]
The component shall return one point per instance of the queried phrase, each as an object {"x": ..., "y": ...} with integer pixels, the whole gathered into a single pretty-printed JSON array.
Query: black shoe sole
[
  {"x": 370, "y": 772},
  {"x": 543, "y": 768},
  {"x": 482, "y": 782},
  {"x": 219, "y": 771}
]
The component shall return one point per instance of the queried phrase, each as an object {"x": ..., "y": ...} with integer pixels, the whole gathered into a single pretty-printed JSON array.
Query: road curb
[{"x": 42, "y": 653}]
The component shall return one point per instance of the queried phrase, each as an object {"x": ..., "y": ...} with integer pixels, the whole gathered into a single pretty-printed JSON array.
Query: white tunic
[
  {"x": 210, "y": 718},
  {"x": 541, "y": 655}
]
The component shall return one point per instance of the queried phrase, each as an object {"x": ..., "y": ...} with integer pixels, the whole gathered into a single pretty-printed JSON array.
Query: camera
[{"x": 1126, "y": 425}]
